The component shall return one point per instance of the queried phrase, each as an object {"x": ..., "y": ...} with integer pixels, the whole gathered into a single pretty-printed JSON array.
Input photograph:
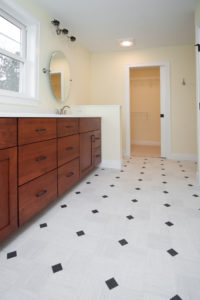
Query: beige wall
[
  {"x": 108, "y": 86},
  {"x": 78, "y": 57},
  {"x": 145, "y": 105}
]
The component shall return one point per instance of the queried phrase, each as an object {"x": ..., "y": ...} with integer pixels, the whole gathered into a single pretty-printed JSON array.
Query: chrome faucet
[{"x": 61, "y": 111}]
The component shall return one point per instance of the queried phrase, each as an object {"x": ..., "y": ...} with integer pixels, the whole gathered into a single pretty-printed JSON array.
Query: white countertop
[{"x": 42, "y": 115}]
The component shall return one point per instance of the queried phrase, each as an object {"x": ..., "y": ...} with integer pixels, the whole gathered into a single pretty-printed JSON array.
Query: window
[{"x": 19, "y": 36}]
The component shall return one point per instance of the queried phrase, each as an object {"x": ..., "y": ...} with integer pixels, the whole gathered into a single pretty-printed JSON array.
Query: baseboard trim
[
  {"x": 111, "y": 164},
  {"x": 176, "y": 156},
  {"x": 145, "y": 143}
]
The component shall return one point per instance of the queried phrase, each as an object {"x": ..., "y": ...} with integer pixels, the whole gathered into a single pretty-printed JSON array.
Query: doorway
[
  {"x": 145, "y": 111},
  {"x": 165, "y": 120}
]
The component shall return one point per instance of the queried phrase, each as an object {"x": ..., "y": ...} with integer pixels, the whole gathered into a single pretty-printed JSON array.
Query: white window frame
[{"x": 29, "y": 94}]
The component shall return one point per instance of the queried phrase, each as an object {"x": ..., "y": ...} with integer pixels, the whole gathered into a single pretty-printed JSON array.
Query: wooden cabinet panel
[
  {"x": 86, "y": 152},
  {"x": 8, "y": 190},
  {"x": 97, "y": 139},
  {"x": 31, "y": 130},
  {"x": 8, "y": 132},
  {"x": 36, "y": 159},
  {"x": 68, "y": 149},
  {"x": 67, "y": 126},
  {"x": 89, "y": 124},
  {"x": 97, "y": 156},
  {"x": 36, "y": 195},
  {"x": 68, "y": 175}
]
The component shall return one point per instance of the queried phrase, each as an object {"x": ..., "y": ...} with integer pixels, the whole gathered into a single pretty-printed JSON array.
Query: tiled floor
[
  {"x": 142, "y": 150},
  {"x": 131, "y": 235}
]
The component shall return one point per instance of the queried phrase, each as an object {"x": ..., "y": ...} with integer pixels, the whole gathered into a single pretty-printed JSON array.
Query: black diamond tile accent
[
  {"x": 141, "y": 172},
  {"x": 96, "y": 175},
  {"x": 125, "y": 165},
  {"x": 190, "y": 185},
  {"x": 130, "y": 217},
  {"x": 195, "y": 195},
  {"x": 95, "y": 211},
  {"x": 176, "y": 297},
  {"x": 137, "y": 188},
  {"x": 172, "y": 252},
  {"x": 117, "y": 177},
  {"x": 182, "y": 170},
  {"x": 11, "y": 254},
  {"x": 122, "y": 171},
  {"x": 163, "y": 169},
  {"x": 88, "y": 182},
  {"x": 57, "y": 268},
  {"x": 43, "y": 225},
  {"x": 143, "y": 167},
  {"x": 163, "y": 175},
  {"x": 165, "y": 192},
  {"x": 78, "y": 193},
  {"x": 63, "y": 206},
  {"x": 102, "y": 169},
  {"x": 186, "y": 177},
  {"x": 112, "y": 185},
  {"x": 80, "y": 233},
  {"x": 169, "y": 223},
  {"x": 105, "y": 196},
  {"x": 140, "y": 179},
  {"x": 134, "y": 200},
  {"x": 111, "y": 283},
  {"x": 123, "y": 242},
  {"x": 164, "y": 182},
  {"x": 167, "y": 205},
  {"x": 162, "y": 164}
]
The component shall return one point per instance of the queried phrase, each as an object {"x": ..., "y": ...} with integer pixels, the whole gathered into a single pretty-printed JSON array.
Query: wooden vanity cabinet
[
  {"x": 90, "y": 140},
  {"x": 40, "y": 159},
  {"x": 8, "y": 176}
]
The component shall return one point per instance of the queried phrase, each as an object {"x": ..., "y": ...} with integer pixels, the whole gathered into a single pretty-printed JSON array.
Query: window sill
[{"x": 19, "y": 100}]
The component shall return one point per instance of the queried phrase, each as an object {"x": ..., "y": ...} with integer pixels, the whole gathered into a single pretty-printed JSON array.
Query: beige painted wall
[
  {"x": 108, "y": 86},
  {"x": 78, "y": 57},
  {"x": 145, "y": 105}
]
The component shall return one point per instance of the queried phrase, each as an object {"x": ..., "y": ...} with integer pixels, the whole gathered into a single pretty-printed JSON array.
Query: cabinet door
[
  {"x": 86, "y": 152},
  {"x": 8, "y": 190}
]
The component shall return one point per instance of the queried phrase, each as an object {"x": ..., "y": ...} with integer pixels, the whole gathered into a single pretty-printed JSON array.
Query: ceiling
[{"x": 99, "y": 24}]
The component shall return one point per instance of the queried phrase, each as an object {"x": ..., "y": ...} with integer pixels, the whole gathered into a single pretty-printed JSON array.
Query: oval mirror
[{"x": 59, "y": 76}]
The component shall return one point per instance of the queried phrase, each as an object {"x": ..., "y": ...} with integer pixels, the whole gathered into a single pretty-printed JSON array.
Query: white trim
[
  {"x": 145, "y": 143},
  {"x": 111, "y": 164},
  {"x": 191, "y": 157},
  {"x": 164, "y": 101},
  {"x": 198, "y": 100},
  {"x": 30, "y": 95}
]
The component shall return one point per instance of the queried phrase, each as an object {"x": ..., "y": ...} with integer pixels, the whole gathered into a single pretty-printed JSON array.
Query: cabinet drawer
[
  {"x": 31, "y": 130},
  {"x": 8, "y": 132},
  {"x": 37, "y": 194},
  {"x": 97, "y": 138},
  {"x": 67, "y": 126},
  {"x": 89, "y": 124},
  {"x": 68, "y": 149},
  {"x": 68, "y": 175},
  {"x": 36, "y": 159},
  {"x": 97, "y": 156}
]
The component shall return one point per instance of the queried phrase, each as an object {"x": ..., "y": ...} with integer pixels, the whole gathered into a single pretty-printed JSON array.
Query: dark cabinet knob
[
  {"x": 41, "y": 130},
  {"x": 69, "y": 126},
  {"x": 41, "y": 194},
  {"x": 69, "y": 148},
  {"x": 41, "y": 158},
  {"x": 70, "y": 174}
]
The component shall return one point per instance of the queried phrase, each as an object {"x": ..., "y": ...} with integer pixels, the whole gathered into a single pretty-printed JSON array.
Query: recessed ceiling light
[{"x": 126, "y": 43}]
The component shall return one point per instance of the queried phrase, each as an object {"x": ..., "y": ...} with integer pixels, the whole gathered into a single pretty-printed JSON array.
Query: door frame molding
[
  {"x": 165, "y": 104},
  {"x": 197, "y": 31}
]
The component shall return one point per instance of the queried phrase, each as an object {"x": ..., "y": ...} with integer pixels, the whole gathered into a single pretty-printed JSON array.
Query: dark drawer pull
[
  {"x": 41, "y": 158},
  {"x": 41, "y": 194},
  {"x": 70, "y": 174},
  {"x": 40, "y": 130},
  {"x": 69, "y": 148},
  {"x": 98, "y": 155},
  {"x": 69, "y": 126}
]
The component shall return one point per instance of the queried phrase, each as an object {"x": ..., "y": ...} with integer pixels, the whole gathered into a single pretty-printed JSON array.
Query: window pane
[
  {"x": 10, "y": 70},
  {"x": 10, "y": 36}
]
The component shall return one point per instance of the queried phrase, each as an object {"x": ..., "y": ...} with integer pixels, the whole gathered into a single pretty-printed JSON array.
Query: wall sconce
[{"x": 64, "y": 31}]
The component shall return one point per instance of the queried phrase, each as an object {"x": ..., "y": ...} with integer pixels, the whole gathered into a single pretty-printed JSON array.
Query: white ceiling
[{"x": 99, "y": 24}]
